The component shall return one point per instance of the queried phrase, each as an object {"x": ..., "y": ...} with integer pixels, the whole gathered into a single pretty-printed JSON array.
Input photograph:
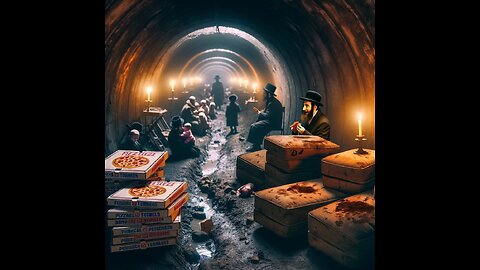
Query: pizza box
[
  {"x": 143, "y": 236},
  {"x": 141, "y": 229},
  {"x": 125, "y": 164},
  {"x": 144, "y": 244},
  {"x": 116, "y": 213},
  {"x": 142, "y": 221},
  {"x": 345, "y": 230},
  {"x": 347, "y": 186},
  {"x": 349, "y": 166},
  {"x": 279, "y": 228},
  {"x": 251, "y": 168},
  {"x": 289, "y": 204},
  {"x": 294, "y": 165},
  {"x": 148, "y": 195},
  {"x": 288, "y": 147}
]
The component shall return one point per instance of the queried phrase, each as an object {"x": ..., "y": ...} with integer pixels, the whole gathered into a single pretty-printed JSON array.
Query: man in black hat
[
  {"x": 177, "y": 145},
  {"x": 269, "y": 119},
  {"x": 218, "y": 93},
  {"x": 313, "y": 121}
]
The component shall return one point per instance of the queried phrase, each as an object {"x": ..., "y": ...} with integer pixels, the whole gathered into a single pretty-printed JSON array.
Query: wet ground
[{"x": 236, "y": 242}]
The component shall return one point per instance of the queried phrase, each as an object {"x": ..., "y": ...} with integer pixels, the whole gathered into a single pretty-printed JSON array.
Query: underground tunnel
[{"x": 176, "y": 48}]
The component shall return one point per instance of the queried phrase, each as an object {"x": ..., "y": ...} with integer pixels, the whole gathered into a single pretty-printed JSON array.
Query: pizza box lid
[
  {"x": 141, "y": 229},
  {"x": 126, "y": 164},
  {"x": 117, "y": 213},
  {"x": 148, "y": 195},
  {"x": 144, "y": 244}
]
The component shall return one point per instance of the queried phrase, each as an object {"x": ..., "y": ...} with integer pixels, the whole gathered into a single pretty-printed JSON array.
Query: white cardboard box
[
  {"x": 134, "y": 165},
  {"x": 142, "y": 221},
  {"x": 125, "y": 239},
  {"x": 144, "y": 244},
  {"x": 149, "y": 195},
  {"x": 116, "y": 213},
  {"x": 133, "y": 230}
]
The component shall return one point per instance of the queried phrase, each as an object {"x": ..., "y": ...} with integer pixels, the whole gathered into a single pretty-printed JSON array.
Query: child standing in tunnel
[{"x": 232, "y": 114}]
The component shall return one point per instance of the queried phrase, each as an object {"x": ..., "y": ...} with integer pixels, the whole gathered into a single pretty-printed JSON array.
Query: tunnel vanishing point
[{"x": 324, "y": 45}]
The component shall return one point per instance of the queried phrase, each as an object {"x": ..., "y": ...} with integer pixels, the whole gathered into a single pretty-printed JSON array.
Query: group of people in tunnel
[{"x": 194, "y": 120}]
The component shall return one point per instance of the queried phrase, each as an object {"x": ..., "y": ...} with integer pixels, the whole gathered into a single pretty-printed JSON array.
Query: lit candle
[
  {"x": 172, "y": 83},
  {"x": 254, "y": 88},
  {"x": 359, "y": 124},
  {"x": 184, "y": 83},
  {"x": 149, "y": 90}
]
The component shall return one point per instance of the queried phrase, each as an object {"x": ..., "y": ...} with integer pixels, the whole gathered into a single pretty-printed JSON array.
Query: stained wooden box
[
  {"x": 294, "y": 165},
  {"x": 284, "y": 209},
  {"x": 288, "y": 147},
  {"x": 349, "y": 172},
  {"x": 251, "y": 168},
  {"x": 345, "y": 230},
  {"x": 275, "y": 176}
]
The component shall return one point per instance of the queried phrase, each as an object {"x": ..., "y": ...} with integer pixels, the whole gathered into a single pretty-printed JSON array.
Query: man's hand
[
  {"x": 293, "y": 127},
  {"x": 300, "y": 129},
  {"x": 255, "y": 109}
]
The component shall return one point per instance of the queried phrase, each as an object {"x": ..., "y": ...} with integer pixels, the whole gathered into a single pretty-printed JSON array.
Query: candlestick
[
  {"x": 360, "y": 139},
  {"x": 149, "y": 90}
]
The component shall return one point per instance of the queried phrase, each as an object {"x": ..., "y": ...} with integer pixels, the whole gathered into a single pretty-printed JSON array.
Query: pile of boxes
[{"x": 146, "y": 210}]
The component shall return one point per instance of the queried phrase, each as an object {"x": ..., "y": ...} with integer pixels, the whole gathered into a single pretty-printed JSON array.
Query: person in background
[
  {"x": 203, "y": 104},
  {"x": 268, "y": 119},
  {"x": 176, "y": 143},
  {"x": 211, "y": 111},
  {"x": 313, "y": 121},
  {"x": 187, "y": 135},
  {"x": 218, "y": 92},
  {"x": 231, "y": 114},
  {"x": 131, "y": 142}
]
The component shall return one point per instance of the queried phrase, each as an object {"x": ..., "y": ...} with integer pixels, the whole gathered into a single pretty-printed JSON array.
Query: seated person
[
  {"x": 187, "y": 135},
  {"x": 211, "y": 111},
  {"x": 176, "y": 143},
  {"x": 313, "y": 121},
  {"x": 131, "y": 142}
]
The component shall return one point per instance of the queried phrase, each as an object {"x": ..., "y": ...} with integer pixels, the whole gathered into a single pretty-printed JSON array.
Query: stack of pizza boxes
[
  {"x": 143, "y": 214},
  {"x": 146, "y": 215},
  {"x": 291, "y": 158},
  {"x": 125, "y": 167}
]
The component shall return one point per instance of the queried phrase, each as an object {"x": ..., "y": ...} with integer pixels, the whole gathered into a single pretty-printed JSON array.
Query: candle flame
[{"x": 149, "y": 89}]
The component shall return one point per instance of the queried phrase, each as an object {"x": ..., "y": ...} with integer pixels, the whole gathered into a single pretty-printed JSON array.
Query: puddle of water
[
  {"x": 214, "y": 147},
  {"x": 205, "y": 249}
]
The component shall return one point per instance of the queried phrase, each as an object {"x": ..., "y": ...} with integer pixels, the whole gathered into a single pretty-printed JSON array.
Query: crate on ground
[
  {"x": 349, "y": 172},
  {"x": 284, "y": 209},
  {"x": 345, "y": 230}
]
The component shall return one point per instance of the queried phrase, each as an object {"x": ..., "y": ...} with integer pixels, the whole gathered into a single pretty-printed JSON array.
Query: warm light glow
[
  {"x": 240, "y": 81},
  {"x": 246, "y": 83},
  {"x": 172, "y": 83},
  {"x": 232, "y": 80},
  {"x": 255, "y": 87},
  {"x": 359, "y": 124},
  {"x": 184, "y": 82},
  {"x": 149, "y": 90}
]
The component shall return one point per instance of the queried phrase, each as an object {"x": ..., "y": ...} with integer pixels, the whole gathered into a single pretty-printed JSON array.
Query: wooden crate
[
  {"x": 288, "y": 147},
  {"x": 345, "y": 230},
  {"x": 294, "y": 165},
  {"x": 275, "y": 176},
  {"x": 288, "y": 205},
  {"x": 251, "y": 168}
]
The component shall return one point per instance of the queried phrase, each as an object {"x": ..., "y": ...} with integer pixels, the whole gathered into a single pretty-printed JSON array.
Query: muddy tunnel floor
[{"x": 236, "y": 241}]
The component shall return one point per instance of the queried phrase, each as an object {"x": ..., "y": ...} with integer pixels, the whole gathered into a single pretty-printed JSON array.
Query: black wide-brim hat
[
  {"x": 270, "y": 88},
  {"x": 177, "y": 121},
  {"x": 216, "y": 77},
  {"x": 314, "y": 97},
  {"x": 233, "y": 97}
]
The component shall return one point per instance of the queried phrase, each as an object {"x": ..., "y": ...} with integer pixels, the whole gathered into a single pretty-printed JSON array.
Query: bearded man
[{"x": 313, "y": 121}]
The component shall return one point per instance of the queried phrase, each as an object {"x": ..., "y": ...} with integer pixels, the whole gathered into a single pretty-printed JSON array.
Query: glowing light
[
  {"x": 359, "y": 124},
  {"x": 149, "y": 90},
  {"x": 172, "y": 84},
  {"x": 184, "y": 80}
]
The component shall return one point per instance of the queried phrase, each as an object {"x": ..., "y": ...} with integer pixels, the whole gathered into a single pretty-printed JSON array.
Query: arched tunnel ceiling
[{"x": 324, "y": 45}]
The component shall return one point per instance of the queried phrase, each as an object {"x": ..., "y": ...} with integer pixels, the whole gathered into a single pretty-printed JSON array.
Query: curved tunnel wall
[{"x": 323, "y": 45}]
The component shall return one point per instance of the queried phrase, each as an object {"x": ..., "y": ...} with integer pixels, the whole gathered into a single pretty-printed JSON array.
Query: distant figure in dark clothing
[
  {"x": 232, "y": 114},
  {"x": 218, "y": 92},
  {"x": 131, "y": 142},
  {"x": 180, "y": 149},
  {"x": 313, "y": 121},
  {"x": 269, "y": 119}
]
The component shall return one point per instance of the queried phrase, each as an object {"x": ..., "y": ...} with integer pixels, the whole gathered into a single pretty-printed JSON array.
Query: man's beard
[{"x": 306, "y": 117}]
